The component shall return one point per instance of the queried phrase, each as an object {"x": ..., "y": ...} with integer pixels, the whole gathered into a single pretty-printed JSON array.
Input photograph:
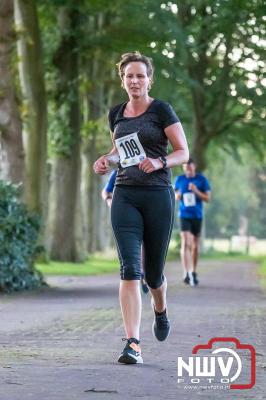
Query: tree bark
[
  {"x": 11, "y": 146},
  {"x": 64, "y": 232},
  {"x": 199, "y": 150},
  {"x": 34, "y": 104},
  {"x": 99, "y": 236}
]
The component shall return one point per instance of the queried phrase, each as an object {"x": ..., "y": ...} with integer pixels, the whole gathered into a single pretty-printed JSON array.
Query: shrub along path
[{"x": 62, "y": 342}]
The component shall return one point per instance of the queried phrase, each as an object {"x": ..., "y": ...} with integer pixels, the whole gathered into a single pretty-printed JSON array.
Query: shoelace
[
  {"x": 131, "y": 340},
  {"x": 162, "y": 321}
]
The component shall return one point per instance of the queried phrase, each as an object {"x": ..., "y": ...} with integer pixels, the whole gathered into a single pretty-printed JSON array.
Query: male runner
[{"x": 191, "y": 190}]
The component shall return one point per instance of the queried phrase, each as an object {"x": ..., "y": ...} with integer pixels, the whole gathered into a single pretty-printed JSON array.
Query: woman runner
[{"x": 143, "y": 200}]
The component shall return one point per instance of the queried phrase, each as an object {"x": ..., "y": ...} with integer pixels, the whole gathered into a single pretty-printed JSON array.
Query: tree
[
  {"x": 65, "y": 179},
  {"x": 95, "y": 82},
  {"x": 194, "y": 47},
  {"x": 12, "y": 154},
  {"x": 33, "y": 103},
  {"x": 101, "y": 90},
  {"x": 214, "y": 50}
]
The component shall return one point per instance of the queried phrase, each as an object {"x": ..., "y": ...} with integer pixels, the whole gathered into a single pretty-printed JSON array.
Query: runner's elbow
[
  {"x": 183, "y": 156},
  {"x": 186, "y": 155}
]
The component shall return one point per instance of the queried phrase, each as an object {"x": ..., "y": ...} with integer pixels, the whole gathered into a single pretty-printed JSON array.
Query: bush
[{"x": 19, "y": 231}]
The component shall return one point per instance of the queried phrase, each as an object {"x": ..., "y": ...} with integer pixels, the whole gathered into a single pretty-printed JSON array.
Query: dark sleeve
[
  {"x": 112, "y": 115},
  {"x": 167, "y": 115},
  {"x": 111, "y": 120}
]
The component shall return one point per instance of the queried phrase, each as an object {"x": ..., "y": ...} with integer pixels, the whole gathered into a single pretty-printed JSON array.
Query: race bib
[
  {"x": 130, "y": 150},
  {"x": 189, "y": 199}
]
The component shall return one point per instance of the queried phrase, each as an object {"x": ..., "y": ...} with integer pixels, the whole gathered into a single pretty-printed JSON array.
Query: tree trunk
[
  {"x": 97, "y": 213},
  {"x": 11, "y": 146},
  {"x": 99, "y": 233},
  {"x": 199, "y": 150},
  {"x": 65, "y": 184},
  {"x": 34, "y": 103},
  {"x": 208, "y": 108},
  {"x": 62, "y": 241}
]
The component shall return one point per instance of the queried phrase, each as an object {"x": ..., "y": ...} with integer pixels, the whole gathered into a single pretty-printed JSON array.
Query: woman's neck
[{"x": 138, "y": 105}]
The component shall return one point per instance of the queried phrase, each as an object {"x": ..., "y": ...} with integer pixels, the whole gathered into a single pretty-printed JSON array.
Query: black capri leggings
[{"x": 142, "y": 214}]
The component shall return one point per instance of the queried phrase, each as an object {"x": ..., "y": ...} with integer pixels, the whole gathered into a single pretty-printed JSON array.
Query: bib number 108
[{"x": 130, "y": 148}]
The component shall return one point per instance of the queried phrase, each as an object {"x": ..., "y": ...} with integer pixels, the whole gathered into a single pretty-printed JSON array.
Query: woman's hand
[
  {"x": 101, "y": 166},
  {"x": 150, "y": 164}
]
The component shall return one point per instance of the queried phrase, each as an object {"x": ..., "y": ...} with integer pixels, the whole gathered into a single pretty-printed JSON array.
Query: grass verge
[
  {"x": 262, "y": 270},
  {"x": 93, "y": 266},
  {"x": 97, "y": 265},
  {"x": 174, "y": 254}
]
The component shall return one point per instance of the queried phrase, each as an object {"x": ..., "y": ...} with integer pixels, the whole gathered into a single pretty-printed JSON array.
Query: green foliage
[
  {"x": 18, "y": 243},
  {"x": 99, "y": 130},
  {"x": 238, "y": 190},
  {"x": 209, "y": 65},
  {"x": 212, "y": 48},
  {"x": 60, "y": 135},
  {"x": 214, "y": 54}
]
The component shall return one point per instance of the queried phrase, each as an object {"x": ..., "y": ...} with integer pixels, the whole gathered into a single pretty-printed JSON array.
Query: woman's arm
[
  {"x": 177, "y": 138},
  {"x": 180, "y": 154},
  {"x": 101, "y": 165}
]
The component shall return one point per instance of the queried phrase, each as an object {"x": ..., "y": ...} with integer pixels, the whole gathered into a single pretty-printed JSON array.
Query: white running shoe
[{"x": 191, "y": 279}]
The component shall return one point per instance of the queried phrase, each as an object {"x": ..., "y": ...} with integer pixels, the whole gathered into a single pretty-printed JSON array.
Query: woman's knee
[
  {"x": 130, "y": 272},
  {"x": 154, "y": 282}
]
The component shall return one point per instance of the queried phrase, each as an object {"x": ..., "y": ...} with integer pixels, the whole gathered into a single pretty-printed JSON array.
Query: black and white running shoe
[
  {"x": 161, "y": 325},
  {"x": 186, "y": 279},
  {"x": 193, "y": 279},
  {"x": 131, "y": 353}
]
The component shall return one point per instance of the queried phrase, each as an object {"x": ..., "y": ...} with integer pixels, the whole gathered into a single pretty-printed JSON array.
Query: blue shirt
[
  {"x": 190, "y": 205},
  {"x": 109, "y": 187}
]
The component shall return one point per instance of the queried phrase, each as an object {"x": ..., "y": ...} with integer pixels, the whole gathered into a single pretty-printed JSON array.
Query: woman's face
[{"x": 135, "y": 80}]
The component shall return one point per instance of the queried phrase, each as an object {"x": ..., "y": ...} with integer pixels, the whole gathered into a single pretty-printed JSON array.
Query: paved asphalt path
[{"x": 63, "y": 342}]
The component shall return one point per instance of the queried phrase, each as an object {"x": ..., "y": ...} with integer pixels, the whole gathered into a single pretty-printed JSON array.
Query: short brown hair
[{"x": 135, "y": 56}]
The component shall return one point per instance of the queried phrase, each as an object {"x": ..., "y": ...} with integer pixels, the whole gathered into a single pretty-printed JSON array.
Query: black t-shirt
[{"x": 150, "y": 127}]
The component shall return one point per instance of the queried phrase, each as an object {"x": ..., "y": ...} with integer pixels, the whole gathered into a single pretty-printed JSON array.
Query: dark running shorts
[
  {"x": 143, "y": 215},
  {"x": 192, "y": 225}
]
